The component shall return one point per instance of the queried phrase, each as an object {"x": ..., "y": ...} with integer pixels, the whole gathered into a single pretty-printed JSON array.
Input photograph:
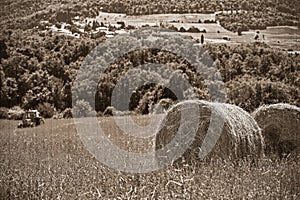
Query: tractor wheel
[{"x": 37, "y": 122}]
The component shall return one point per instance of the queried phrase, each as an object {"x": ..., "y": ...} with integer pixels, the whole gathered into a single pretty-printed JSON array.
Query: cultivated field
[
  {"x": 287, "y": 36},
  {"x": 50, "y": 162},
  {"x": 158, "y": 18},
  {"x": 284, "y": 37}
]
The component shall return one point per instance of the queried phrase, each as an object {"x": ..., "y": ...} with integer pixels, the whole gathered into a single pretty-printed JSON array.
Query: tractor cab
[{"x": 31, "y": 118}]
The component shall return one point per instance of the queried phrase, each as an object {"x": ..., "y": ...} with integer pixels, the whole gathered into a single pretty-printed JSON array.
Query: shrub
[
  {"x": 46, "y": 110},
  {"x": 3, "y": 113},
  {"x": 182, "y": 29},
  {"x": 193, "y": 30},
  {"x": 109, "y": 111},
  {"x": 15, "y": 113},
  {"x": 67, "y": 113},
  {"x": 82, "y": 108}
]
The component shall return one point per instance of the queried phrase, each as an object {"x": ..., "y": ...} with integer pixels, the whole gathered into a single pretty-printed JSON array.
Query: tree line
[{"x": 40, "y": 70}]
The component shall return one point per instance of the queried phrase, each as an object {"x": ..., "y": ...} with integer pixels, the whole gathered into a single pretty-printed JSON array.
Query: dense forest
[
  {"x": 24, "y": 8},
  {"x": 245, "y": 20},
  {"x": 38, "y": 71},
  {"x": 38, "y": 66}
]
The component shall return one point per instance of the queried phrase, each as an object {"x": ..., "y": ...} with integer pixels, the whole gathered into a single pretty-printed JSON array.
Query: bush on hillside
[
  {"x": 3, "y": 113},
  {"x": 15, "y": 113},
  {"x": 67, "y": 113},
  {"x": 46, "y": 110},
  {"x": 82, "y": 108}
]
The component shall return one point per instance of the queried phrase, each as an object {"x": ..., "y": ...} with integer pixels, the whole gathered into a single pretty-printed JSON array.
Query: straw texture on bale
[
  {"x": 280, "y": 124},
  {"x": 240, "y": 135}
]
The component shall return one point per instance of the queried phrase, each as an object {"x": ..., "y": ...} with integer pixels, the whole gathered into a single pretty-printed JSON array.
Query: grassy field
[
  {"x": 50, "y": 162},
  {"x": 157, "y": 18},
  {"x": 285, "y": 37}
]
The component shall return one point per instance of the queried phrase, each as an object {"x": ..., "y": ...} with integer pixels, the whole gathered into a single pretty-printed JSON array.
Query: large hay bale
[
  {"x": 239, "y": 137},
  {"x": 280, "y": 124}
]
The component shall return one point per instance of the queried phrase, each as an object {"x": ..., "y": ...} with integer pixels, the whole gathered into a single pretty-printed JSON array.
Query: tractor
[{"x": 31, "y": 118}]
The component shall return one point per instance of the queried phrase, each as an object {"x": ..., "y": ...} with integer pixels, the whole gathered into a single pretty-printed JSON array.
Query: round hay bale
[
  {"x": 236, "y": 136},
  {"x": 280, "y": 124}
]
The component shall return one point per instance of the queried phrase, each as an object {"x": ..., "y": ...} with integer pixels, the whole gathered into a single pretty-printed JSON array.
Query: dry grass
[
  {"x": 50, "y": 162},
  {"x": 123, "y": 138},
  {"x": 240, "y": 135},
  {"x": 280, "y": 125}
]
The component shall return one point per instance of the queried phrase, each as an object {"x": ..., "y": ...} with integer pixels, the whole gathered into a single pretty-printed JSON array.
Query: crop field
[
  {"x": 183, "y": 18},
  {"x": 50, "y": 162},
  {"x": 278, "y": 37},
  {"x": 284, "y": 37}
]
